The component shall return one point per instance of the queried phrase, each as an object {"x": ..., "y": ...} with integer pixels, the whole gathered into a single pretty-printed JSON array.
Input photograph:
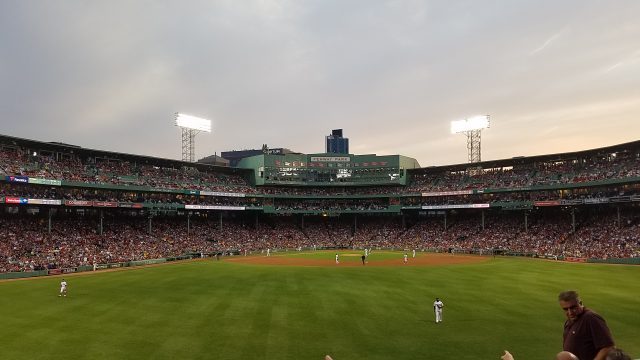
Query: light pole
[
  {"x": 191, "y": 126},
  {"x": 472, "y": 127}
]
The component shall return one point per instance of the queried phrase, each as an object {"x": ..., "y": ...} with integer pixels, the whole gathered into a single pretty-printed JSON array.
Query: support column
[
  {"x": 619, "y": 218},
  {"x": 101, "y": 229},
  {"x": 49, "y": 222},
  {"x": 482, "y": 219},
  {"x": 149, "y": 227},
  {"x": 220, "y": 217},
  {"x": 302, "y": 221},
  {"x": 445, "y": 221},
  {"x": 526, "y": 221},
  {"x": 188, "y": 223},
  {"x": 573, "y": 219}
]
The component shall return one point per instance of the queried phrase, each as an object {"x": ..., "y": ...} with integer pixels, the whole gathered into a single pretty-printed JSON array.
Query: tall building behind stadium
[{"x": 336, "y": 144}]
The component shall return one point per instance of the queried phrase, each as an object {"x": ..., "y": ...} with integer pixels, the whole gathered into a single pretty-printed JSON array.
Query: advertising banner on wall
[
  {"x": 39, "y": 181},
  {"x": 547, "y": 203},
  {"x": 18, "y": 179},
  {"x": 216, "y": 193},
  {"x": 448, "y": 193},
  {"x": 78, "y": 203},
  {"x": 110, "y": 204},
  {"x": 15, "y": 200},
  {"x": 131, "y": 205},
  {"x": 44, "y": 202},
  {"x": 213, "y": 207},
  {"x": 457, "y": 206}
]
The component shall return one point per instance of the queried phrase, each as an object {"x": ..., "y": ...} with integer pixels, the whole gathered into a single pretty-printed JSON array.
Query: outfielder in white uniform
[
  {"x": 405, "y": 258},
  {"x": 63, "y": 288},
  {"x": 337, "y": 259},
  {"x": 414, "y": 252},
  {"x": 268, "y": 252},
  {"x": 437, "y": 308}
]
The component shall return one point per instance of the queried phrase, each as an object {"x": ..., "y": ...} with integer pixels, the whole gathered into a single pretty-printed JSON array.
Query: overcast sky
[{"x": 555, "y": 76}]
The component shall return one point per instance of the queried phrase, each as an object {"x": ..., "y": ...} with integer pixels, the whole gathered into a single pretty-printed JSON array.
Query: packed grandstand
[{"x": 65, "y": 207}]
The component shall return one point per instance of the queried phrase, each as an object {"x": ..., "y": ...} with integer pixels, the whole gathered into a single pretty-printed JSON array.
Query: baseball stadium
[{"x": 299, "y": 256}]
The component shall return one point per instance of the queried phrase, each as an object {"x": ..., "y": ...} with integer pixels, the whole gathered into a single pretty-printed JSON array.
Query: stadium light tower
[
  {"x": 472, "y": 127},
  {"x": 191, "y": 126}
]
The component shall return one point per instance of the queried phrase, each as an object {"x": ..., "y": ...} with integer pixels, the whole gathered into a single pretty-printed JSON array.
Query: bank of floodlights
[
  {"x": 472, "y": 127},
  {"x": 191, "y": 126}
]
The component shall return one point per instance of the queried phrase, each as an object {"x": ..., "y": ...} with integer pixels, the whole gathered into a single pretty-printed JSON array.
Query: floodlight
[
  {"x": 190, "y": 126},
  {"x": 192, "y": 122},
  {"x": 471, "y": 127},
  {"x": 469, "y": 124}
]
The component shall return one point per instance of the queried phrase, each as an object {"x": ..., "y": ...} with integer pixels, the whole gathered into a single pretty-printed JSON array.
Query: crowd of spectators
[
  {"x": 331, "y": 204},
  {"x": 529, "y": 175},
  {"x": 16, "y": 161},
  {"x": 103, "y": 170},
  {"x": 74, "y": 240},
  {"x": 87, "y": 194},
  {"x": 26, "y": 244}
]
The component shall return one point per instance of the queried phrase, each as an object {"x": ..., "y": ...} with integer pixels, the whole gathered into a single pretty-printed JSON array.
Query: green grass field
[{"x": 222, "y": 310}]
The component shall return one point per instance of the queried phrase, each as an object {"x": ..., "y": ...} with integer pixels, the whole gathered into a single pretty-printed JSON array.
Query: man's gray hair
[{"x": 569, "y": 295}]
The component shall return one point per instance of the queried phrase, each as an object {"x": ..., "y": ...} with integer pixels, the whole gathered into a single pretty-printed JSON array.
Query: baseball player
[
  {"x": 337, "y": 259},
  {"x": 437, "y": 308},
  {"x": 405, "y": 258},
  {"x": 414, "y": 253},
  {"x": 63, "y": 288}
]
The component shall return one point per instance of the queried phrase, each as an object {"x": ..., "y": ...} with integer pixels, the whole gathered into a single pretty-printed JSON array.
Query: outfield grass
[{"x": 221, "y": 310}]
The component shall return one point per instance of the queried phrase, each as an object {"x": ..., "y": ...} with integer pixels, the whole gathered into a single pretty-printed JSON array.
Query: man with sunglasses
[{"x": 585, "y": 333}]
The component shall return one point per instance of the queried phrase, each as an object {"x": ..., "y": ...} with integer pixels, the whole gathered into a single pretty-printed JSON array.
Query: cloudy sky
[{"x": 555, "y": 76}]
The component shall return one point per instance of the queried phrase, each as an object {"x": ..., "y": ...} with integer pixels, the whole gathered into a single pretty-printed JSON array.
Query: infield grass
[{"x": 223, "y": 310}]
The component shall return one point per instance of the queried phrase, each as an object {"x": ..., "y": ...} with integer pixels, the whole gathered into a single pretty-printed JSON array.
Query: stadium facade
[{"x": 579, "y": 205}]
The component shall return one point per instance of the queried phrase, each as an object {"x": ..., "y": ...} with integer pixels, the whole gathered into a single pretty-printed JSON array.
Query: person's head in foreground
[
  {"x": 617, "y": 354},
  {"x": 571, "y": 304}
]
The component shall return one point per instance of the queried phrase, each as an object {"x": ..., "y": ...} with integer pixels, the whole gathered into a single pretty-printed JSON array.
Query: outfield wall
[
  {"x": 626, "y": 261},
  {"x": 85, "y": 268}
]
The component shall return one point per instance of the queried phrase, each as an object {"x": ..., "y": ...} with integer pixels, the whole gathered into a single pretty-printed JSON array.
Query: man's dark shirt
[{"x": 586, "y": 335}]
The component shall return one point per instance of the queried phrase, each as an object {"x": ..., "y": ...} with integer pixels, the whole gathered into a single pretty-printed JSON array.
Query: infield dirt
[{"x": 422, "y": 260}]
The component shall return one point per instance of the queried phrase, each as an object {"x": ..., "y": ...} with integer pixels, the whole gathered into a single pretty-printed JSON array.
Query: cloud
[
  {"x": 547, "y": 43},
  {"x": 393, "y": 74}
]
